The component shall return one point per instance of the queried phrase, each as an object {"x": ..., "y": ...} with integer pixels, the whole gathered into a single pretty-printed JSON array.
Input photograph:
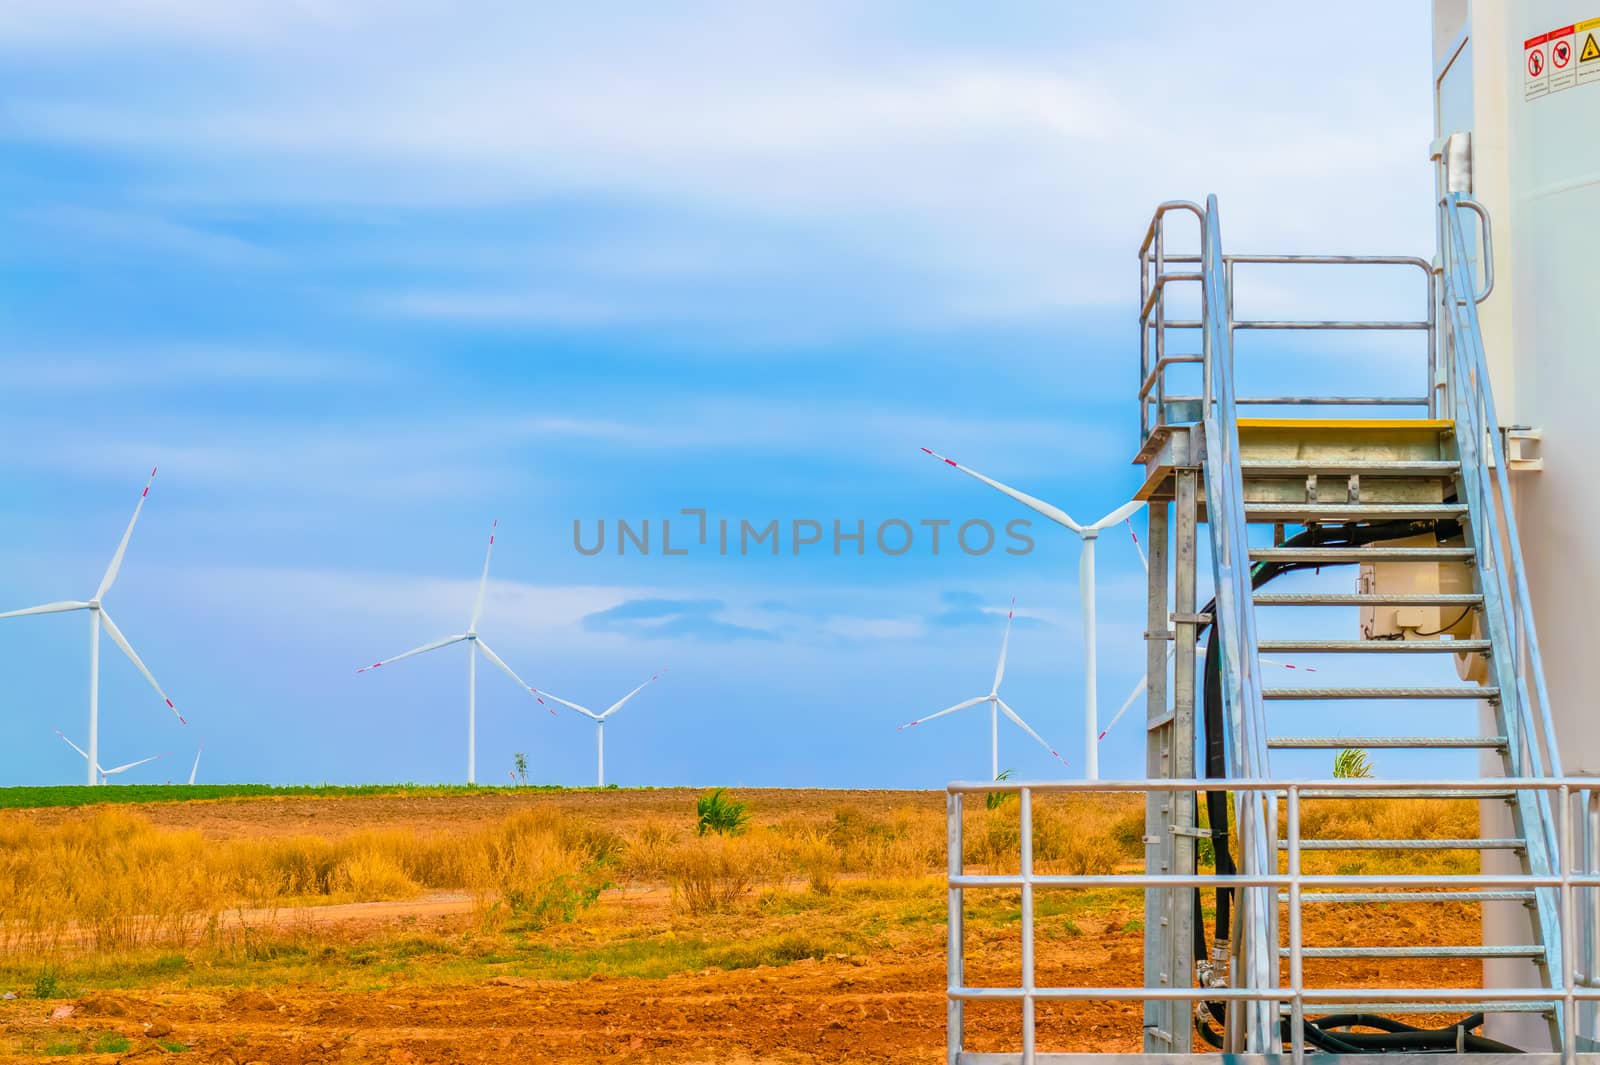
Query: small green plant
[
  {"x": 47, "y": 984},
  {"x": 520, "y": 760},
  {"x": 715, "y": 812},
  {"x": 1351, "y": 764},
  {"x": 996, "y": 799},
  {"x": 172, "y": 1046},
  {"x": 112, "y": 1043}
]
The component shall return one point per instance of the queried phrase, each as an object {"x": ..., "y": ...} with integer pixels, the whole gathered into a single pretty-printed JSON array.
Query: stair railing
[
  {"x": 1508, "y": 610},
  {"x": 1235, "y": 626}
]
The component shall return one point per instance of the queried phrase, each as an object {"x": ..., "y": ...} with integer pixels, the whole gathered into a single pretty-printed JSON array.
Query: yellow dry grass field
[{"x": 592, "y": 925}]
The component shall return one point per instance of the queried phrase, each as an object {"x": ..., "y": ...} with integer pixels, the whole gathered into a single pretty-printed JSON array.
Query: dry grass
[{"x": 110, "y": 882}]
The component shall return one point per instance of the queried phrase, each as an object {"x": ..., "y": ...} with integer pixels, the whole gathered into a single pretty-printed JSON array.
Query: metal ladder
[{"x": 1449, "y": 466}]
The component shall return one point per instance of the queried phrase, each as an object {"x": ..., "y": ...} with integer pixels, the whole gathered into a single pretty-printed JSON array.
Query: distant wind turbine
[
  {"x": 600, "y": 725},
  {"x": 1088, "y": 534},
  {"x": 997, "y": 706},
  {"x": 95, "y": 766},
  {"x": 98, "y": 617},
  {"x": 472, "y": 640}
]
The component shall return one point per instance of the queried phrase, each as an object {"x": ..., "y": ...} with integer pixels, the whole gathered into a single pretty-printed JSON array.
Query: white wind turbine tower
[
  {"x": 98, "y": 617},
  {"x": 196, "y": 767},
  {"x": 997, "y": 706},
  {"x": 600, "y": 724},
  {"x": 1088, "y": 534},
  {"x": 94, "y": 766},
  {"x": 472, "y": 639}
]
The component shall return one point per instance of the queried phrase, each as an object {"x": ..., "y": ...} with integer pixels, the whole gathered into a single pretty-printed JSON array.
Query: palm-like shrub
[{"x": 715, "y": 812}]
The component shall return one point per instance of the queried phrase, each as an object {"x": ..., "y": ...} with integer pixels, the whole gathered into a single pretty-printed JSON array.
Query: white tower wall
[{"x": 1535, "y": 126}]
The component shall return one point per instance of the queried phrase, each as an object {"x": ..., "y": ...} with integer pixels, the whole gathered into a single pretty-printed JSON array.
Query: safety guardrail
[
  {"x": 1508, "y": 613},
  {"x": 1574, "y": 878}
]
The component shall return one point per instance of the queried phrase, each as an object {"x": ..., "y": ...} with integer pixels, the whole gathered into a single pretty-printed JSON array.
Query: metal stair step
[
  {"x": 1493, "y": 844},
  {"x": 1377, "y": 647},
  {"x": 1529, "y": 950},
  {"x": 1365, "y": 599},
  {"x": 1303, "y": 467},
  {"x": 1409, "y": 896},
  {"x": 1328, "y": 555},
  {"x": 1344, "y": 513},
  {"x": 1418, "y": 743},
  {"x": 1431, "y": 1008},
  {"x": 1474, "y": 692}
]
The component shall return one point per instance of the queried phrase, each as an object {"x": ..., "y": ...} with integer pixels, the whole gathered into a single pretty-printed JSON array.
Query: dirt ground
[{"x": 887, "y": 1006}]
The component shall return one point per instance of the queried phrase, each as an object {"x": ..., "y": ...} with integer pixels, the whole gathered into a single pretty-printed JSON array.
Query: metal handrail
[
  {"x": 1155, "y": 260},
  {"x": 1475, "y": 411},
  {"x": 1244, "y": 710},
  {"x": 1576, "y": 869},
  {"x": 1530, "y": 727}
]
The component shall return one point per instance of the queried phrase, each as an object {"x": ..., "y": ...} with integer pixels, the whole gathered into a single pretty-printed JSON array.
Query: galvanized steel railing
[
  {"x": 1508, "y": 606},
  {"x": 1157, "y": 404},
  {"x": 1574, "y": 880}
]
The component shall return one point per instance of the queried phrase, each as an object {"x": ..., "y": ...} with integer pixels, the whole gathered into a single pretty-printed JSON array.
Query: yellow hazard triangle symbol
[{"x": 1591, "y": 51}]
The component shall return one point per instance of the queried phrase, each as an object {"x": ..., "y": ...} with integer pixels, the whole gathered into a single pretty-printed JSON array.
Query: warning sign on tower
[
  {"x": 1536, "y": 66},
  {"x": 1586, "y": 38},
  {"x": 1563, "y": 69},
  {"x": 1560, "y": 59}
]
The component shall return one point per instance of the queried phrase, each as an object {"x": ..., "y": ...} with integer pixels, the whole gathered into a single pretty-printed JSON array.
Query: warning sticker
[
  {"x": 1536, "y": 66},
  {"x": 1586, "y": 42},
  {"x": 1563, "y": 59}
]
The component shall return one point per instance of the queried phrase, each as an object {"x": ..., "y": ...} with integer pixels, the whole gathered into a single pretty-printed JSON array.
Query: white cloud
[
  {"x": 44, "y": 367},
  {"x": 91, "y": 232},
  {"x": 992, "y": 182}
]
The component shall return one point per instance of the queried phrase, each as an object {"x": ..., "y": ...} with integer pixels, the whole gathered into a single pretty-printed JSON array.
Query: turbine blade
[
  {"x": 196, "y": 768},
  {"x": 74, "y": 746},
  {"x": 1126, "y": 706},
  {"x": 434, "y": 646},
  {"x": 584, "y": 710},
  {"x": 488, "y": 653},
  {"x": 1137, "y": 546},
  {"x": 1000, "y": 668},
  {"x": 946, "y": 710},
  {"x": 1122, "y": 513},
  {"x": 122, "y": 548},
  {"x": 130, "y": 765},
  {"x": 47, "y": 608},
  {"x": 614, "y": 707},
  {"x": 1023, "y": 725},
  {"x": 483, "y": 582},
  {"x": 127, "y": 649},
  {"x": 1054, "y": 513}
]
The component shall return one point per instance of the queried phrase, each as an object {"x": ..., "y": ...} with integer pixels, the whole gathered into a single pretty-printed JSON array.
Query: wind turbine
[
  {"x": 997, "y": 706},
  {"x": 98, "y": 617},
  {"x": 600, "y": 725},
  {"x": 472, "y": 639},
  {"x": 1088, "y": 534},
  {"x": 196, "y": 767},
  {"x": 94, "y": 767}
]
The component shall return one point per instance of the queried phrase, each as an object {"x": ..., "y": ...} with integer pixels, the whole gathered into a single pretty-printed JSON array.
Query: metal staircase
[
  {"x": 1360, "y": 491},
  {"x": 1422, "y": 505}
]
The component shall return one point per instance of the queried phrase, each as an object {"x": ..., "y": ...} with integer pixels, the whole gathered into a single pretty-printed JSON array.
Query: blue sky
[{"x": 363, "y": 277}]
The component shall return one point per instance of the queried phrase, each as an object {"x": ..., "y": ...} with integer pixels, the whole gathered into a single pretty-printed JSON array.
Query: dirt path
[{"x": 887, "y": 1007}]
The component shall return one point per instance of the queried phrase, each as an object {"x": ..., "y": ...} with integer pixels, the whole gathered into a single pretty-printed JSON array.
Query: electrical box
[{"x": 1407, "y": 622}]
